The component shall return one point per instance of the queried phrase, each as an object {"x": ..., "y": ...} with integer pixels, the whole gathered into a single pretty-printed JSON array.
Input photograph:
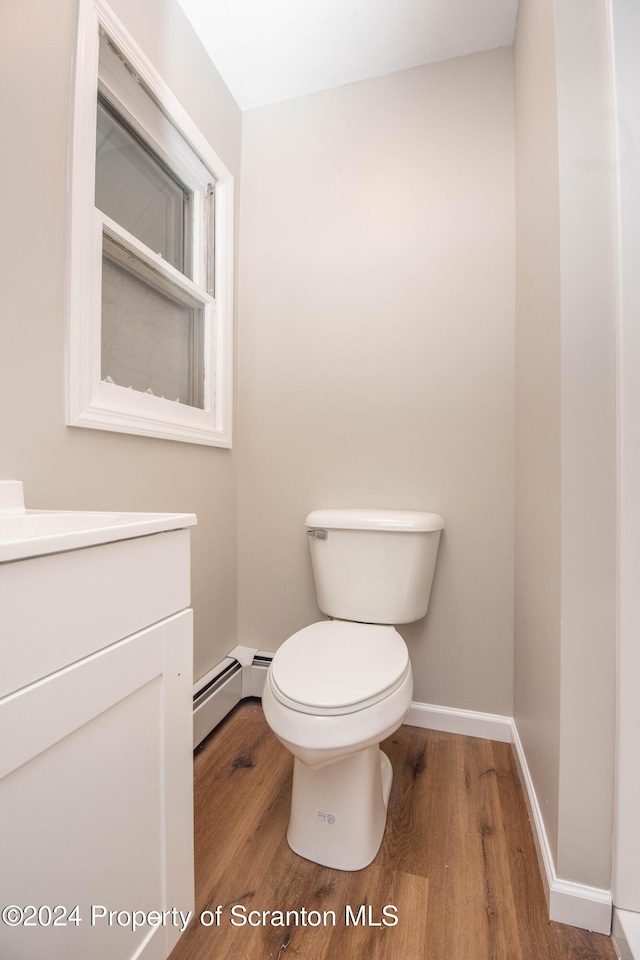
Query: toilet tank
[{"x": 374, "y": 566}]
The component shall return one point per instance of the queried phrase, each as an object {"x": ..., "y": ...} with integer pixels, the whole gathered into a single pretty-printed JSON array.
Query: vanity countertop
[{"x": 33, "y": 533}]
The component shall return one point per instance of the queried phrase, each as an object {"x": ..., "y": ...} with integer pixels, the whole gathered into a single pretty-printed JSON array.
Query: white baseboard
[
  {"x": 625, "y": 934},
  {"x": 581, "y": 906},
  {"x": 572, "y": 903},
  {"x": 576, "y": 904},
  {"x": 487, "y": 726}
]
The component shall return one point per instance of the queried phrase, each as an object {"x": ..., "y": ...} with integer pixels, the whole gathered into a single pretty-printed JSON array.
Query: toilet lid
[{"x": 338, "y": 667}]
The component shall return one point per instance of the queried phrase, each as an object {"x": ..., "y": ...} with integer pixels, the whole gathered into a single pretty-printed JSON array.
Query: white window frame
[{"x": 92, "y": 402}]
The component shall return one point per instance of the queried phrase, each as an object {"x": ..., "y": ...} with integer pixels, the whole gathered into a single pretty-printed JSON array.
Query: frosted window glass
[
  {"x": 152, "y": 331},
  {"x": 136, "y": 190}
]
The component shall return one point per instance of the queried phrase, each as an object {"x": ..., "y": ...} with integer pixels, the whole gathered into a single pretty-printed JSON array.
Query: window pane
[
  {"x": 135, "y": 189},
  {"x": 152, "y": 331}
]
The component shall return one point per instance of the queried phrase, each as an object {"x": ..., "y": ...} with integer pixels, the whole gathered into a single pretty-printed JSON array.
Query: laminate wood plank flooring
[{"x": 457, "y": 867}]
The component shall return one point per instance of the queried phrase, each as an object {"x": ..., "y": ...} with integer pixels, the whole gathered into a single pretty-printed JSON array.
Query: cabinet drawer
[{"x": 60, "y": 608}]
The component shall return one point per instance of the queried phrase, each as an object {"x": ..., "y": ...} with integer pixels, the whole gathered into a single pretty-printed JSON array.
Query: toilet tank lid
[{"x": 409, "y": 521}]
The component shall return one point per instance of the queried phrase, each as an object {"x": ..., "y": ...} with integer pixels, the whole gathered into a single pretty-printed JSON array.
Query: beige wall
[
  {"x": 564, "y": 689},
  {"x": 537, "y": 645},
  {"x": 626, "y": 23},
  {"x": 588, "y": 350},
  {"x": 74, "y": 468},
  {"x": 376, "y": 350}
]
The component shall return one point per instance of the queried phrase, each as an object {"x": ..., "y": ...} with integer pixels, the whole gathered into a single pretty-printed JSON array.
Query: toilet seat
[{"x": 338, "y": 667}]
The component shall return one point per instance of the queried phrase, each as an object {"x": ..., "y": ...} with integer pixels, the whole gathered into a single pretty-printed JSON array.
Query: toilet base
[{"x": 339, "y": 809}]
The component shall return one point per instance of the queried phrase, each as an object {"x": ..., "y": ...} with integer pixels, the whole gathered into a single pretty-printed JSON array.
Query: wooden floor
[{"x": 457, "y": 860}]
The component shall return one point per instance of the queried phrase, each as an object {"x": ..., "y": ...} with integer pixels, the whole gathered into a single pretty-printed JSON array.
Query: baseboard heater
[{"x": 238, "y": 676}]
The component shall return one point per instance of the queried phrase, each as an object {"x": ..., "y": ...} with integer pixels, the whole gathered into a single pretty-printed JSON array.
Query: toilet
[{"x": 337, "y": 688}]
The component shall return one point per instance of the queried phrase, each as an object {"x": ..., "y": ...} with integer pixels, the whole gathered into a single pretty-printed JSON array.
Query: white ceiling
[{"x": 273, "y": 50}]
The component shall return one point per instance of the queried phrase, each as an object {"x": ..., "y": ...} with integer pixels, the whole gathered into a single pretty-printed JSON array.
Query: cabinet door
[{"x": 96, "y": 806}]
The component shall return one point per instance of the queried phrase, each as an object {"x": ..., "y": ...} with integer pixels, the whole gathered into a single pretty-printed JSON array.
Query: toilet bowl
[
  {"x": 337, "y": 688},
  {"x": 332, "y": 713}
]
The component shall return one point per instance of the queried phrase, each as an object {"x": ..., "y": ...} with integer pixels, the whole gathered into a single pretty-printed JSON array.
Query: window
[{"x": 151, "y": 251}]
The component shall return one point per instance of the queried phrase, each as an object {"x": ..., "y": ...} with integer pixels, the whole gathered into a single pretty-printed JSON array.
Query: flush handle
[{"x": 318, "y": 534}]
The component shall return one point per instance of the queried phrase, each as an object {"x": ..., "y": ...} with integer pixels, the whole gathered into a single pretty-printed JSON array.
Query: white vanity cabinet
[{"x": 96, "y": 806}]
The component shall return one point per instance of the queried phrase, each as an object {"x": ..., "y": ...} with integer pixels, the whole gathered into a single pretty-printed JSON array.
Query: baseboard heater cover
[
  {"x": 227, "y": 670},
  {"x": 217, "y": 693}
]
